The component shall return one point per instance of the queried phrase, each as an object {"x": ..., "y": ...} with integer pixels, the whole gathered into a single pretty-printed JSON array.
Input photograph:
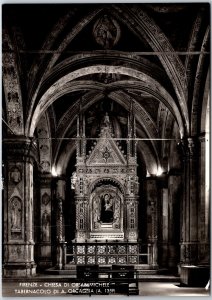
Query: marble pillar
[
  {"x": 163, "y": 227},
  {"x": 18, "y": 241}
]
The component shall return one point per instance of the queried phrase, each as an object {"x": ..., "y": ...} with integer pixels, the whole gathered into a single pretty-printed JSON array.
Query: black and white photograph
[{"x": 106, "y": 149}]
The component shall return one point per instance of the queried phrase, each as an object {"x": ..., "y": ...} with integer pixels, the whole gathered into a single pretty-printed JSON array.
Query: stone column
[
  {"x": 204, "y": 200},
  {"x": 152, "y": 219},
  {"x": 164, "y": 227},
  {"x": 189, "y": 234},
  {"x": 18, "y": 207},
  {"x": 45, "y": 255},
  {"x": 60, "y": 230},
  {"x": 174, "y": 195}
]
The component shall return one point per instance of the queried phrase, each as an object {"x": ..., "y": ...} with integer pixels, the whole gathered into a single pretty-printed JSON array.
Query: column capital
[
  {"x": 20, "y": 148},
  {"x": 46, "y": 179}
]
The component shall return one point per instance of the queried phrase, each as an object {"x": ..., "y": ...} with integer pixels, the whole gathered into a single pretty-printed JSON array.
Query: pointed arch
[
  {"x": 199, "y": 79},
  {"x": 75, "y": 30},
  {"x": 140, "y": 23},
  {"x": 51, "y": 94}
]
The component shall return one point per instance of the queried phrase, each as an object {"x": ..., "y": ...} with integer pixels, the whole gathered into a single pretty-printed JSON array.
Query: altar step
[{"x": 137, "y": 267}]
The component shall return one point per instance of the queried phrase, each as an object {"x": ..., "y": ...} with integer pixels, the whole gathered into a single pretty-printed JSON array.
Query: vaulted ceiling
[{"x": 105, "y": 56}]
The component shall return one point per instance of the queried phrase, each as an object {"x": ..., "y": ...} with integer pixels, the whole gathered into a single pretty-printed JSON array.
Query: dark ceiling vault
[{"x": 105, "y": 57}]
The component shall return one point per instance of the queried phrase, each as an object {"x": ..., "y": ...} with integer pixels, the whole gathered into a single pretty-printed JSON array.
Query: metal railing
[{"x": 108, "y": 253}]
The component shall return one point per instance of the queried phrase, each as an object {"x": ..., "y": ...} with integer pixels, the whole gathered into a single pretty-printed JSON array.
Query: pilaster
[
  {"x": 45, "y": 251},
  {"x": 20, "y": 154}
]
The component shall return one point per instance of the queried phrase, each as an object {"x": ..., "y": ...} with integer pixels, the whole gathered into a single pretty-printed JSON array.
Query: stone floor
[
  {"x": 169, "y": 289},
  {"x": 12, "y": 288}
]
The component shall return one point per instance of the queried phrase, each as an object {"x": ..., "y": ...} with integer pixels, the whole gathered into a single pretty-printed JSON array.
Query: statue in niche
[
  {"x": 15, "y": 175},
  {"x": 16, "y": 212},
  {"x": 45, "y": 224},
  {"x": 107, "y": 208}
]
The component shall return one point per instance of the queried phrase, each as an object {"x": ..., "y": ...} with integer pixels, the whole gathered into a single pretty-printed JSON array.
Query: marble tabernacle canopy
[
  {"x": 106, "y": 189},
  {"x": 106, "y": 193}
]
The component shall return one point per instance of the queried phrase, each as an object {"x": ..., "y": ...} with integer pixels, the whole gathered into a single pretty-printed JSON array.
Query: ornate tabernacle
[{"x": 106, "y": 185}]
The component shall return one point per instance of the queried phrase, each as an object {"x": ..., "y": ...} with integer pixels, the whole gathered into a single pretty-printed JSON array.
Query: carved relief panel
[
  {"x": 15, "y": 175},
  {"x": 15, "y": 218},
  {"x": 132, "y": 219}
]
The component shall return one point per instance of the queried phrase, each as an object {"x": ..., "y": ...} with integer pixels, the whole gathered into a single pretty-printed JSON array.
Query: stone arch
[
  {"x": 68, "y": 38},
  {"x": 51, "y": 94},
  {"x": 134, "y": 61},
  {"x": 104, "y": 180},
  {"x": 140, "y": 114},
  {"x": 149, "y": 159},
  {"x": 62, "y": 162},
  {"x": 146, "y": 27},
  {"x": 48, "y": 43},
  {"x": 205, "y": 112},
  {"x": 199, "y": 79},
  {"x": 192, "y": 45}
]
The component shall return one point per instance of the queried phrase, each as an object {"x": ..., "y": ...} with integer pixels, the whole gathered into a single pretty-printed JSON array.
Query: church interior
[{"x": 106, "y": 140}]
